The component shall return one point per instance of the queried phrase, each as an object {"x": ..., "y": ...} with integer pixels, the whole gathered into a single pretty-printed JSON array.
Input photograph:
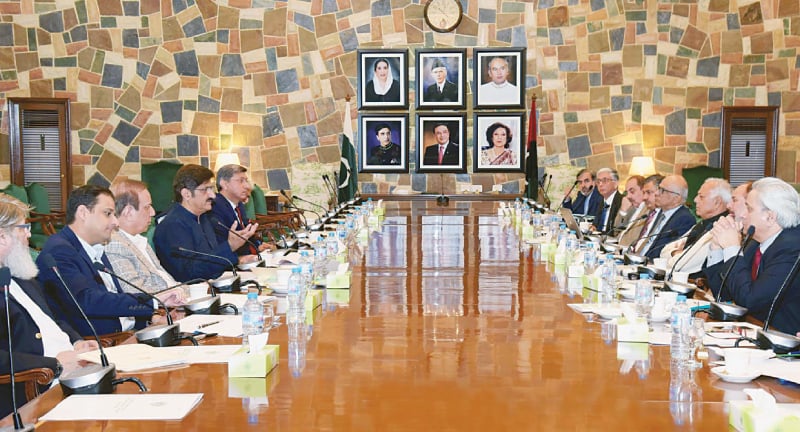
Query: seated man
[
  {"x": 633, "y": 206},
  {"x": 588, "y": 200},
  {"x": 773, "y": 209},
  {"x": 607, "y": 180},
  {"x": 234, "y": 190},
  {"x": 76, "y": 248},
  {"x": 638, "y": 227},
  {"x": 128, "y": 251},
  {"x": 673, "y": 220},
  {"x": 39, "y": 340},
  {"x": 711, "y": 203},
  {"x": 188, "y": 225}
]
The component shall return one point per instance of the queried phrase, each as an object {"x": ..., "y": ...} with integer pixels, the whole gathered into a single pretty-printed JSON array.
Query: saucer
[
  {"x": 278, "y": 288},
  {"x": 609, "y": 313},
  {"x": 250, "y": 265},
  {"x": 629, "y": 294},
  {"x": 721, "y": 372}
]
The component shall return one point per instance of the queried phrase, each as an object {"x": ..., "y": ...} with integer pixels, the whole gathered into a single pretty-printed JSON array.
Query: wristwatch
[{"x": 58, "y": 370}]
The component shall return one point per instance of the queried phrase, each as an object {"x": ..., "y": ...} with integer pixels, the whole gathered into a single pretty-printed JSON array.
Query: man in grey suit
[{"x": 128, "y": 250}]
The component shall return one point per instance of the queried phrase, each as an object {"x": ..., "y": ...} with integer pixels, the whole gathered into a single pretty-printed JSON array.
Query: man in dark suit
[
  {"x": 673, "y": 219},
  {"x": 188, "y": 225},
  {"x": 38, "y": 340},
  {"x": 588, "y": 199},
  {"x": 442, "y": 90},
  {"x": 91, "y": 219},
  {"x": 607, "y": 182},
  {"x": 754, "y": 280},
  {"x": 444, "y": 152},
  {"x": 234, "y": 189}
]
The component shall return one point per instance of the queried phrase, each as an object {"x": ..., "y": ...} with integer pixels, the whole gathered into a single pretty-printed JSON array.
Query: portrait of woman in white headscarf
[{"x": 382, "y": 87}]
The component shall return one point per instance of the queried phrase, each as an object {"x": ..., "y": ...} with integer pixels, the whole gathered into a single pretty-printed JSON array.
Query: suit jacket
[
  {"x": 103, "y": 308},
  {"x": 449, "y": 93},
  {"x": 595, "y": 201},
  {"x": 181, "y": 228},
  {"x": 616, "y": 202},
  {"x": 28, "y": 348},
  {"x": 679, "y": 223},
  {"x": 632, "y": 233},
  {"x": 223, "y": 212},
  {"x": 626, "y": 218},
  {"x": 450, "y": 154},
  {"x": 757, "y": 295},
  {"x": 130, "y": 263}
]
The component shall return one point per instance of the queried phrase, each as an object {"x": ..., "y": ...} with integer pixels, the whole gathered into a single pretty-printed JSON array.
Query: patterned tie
[
  {"x": 651, "y": 235},
  {"x": 252, "y": 248},
  {"x": 441, "y": 154},
  {"x": 756, "y": 264}
]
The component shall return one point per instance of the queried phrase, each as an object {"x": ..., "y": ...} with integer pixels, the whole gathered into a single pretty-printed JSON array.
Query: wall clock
[{"x": 443, "y": 16}]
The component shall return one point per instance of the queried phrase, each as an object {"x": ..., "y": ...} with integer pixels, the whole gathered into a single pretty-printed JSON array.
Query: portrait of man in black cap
[{"x": 442, "y": 90}]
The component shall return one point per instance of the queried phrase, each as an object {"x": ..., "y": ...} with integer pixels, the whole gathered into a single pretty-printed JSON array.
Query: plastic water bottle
[
  {"x": 370, "y": 206},
  {"x": 297, "y": 348},
  {"x": 589, "y": 259},
  {"x": 331, "y": 244},
  {"x": 681, "y": 320},
  {"x": 252, "y": 317},
  {"x": 306, "y": 267},
  {"x": 608, "y": 285},
  {"x": 295, "y": 294},
  {"x": 341, "y": 231}
]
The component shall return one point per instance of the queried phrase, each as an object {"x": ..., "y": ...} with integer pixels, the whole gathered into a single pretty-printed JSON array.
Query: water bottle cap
[
  {"x": 252, "y": 295},
  {"x": 609, "y": 256},
  {"x": 681, "y": 298},
  {"x": 296, "y": 269},
  {"x": 644, "y": 276},
  {"x": 304, "y": 252}
]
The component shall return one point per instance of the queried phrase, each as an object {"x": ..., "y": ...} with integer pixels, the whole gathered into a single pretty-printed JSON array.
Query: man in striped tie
[
  {"x": 755, "y": 279},
  {"x": 234, "y": 190}
]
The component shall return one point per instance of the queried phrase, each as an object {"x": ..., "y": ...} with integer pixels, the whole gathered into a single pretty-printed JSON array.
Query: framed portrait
[
  {"x": 440, "y": 144},
  {"x": 499, "y": 76},
  {"x": 441, "y": 78},
  {"x": 383, "y": 143},
  {"x": 499, "y": 142},
  {"x": 383, "y": 79}
]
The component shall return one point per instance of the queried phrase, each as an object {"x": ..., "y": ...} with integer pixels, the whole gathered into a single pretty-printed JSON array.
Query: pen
[{"x": 208, "y": 324}]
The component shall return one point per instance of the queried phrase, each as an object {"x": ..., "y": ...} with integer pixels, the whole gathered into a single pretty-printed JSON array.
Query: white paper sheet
[
  {"x": 146, "y": 406},
  {"x": 223, "y": 325},
  {"x": 135, "y": 357},
  {"x": 204, "y": 353}
]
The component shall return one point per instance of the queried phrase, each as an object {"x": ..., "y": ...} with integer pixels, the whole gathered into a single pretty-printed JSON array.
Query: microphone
[
  {"x": 311, "y": 203},
  {"x": 292, "y": 204},
  {"x": 250, "y": 242},
  {"x": 158, "y": 335},
  {"x": 223, "y": 284},
  {"x": 92, "y": 379},
  {"x": 5, "y": 283},
  {"x": 730, "y": 312},
  {"x": 566, "y": 194},
  {"x": 331, "y": 190}
]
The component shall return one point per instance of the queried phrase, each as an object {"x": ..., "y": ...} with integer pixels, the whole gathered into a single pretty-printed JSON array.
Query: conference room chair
[{"x": 32, "y": 379}]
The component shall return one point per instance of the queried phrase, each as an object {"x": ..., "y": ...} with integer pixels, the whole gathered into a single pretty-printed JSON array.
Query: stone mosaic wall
[{"x": 186, "y": 79}]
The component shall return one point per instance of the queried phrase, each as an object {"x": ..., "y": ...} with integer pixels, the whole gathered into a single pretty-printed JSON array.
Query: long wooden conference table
[{"x": 450, "y": 326}]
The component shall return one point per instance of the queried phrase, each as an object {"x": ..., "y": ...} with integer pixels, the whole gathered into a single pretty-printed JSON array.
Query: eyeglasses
[
  {"x": 25, "y": 226},
  {"x": 604, "y": 180},
  {"x": 662, "y": 190},
  {"x": 207, "y": 189}
]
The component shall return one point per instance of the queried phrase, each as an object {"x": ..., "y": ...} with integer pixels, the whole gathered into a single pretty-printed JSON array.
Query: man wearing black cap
[{"x": 442, "y": 90}]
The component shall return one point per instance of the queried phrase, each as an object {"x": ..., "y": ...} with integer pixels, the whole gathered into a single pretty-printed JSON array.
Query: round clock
[{"x": 443, "y": 15}]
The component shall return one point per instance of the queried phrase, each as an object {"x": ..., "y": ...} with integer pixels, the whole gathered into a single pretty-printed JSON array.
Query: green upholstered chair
[
  {"x": 17, "y": 192},
  {"x": 695, "y": 176},
  {"x": 41, "y": 224},
  {"x": 158, "y": 177},
  {"x": 259, "y": 202},
  {"x": 52, "y": 220}
]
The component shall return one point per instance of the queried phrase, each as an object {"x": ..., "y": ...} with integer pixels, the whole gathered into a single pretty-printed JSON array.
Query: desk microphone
[
  {"x": 250, "y": 242},
  {"x": 283, "y": 192},
  {"x": 158, "y": 335},
  {"x": 566, "y": 194},
  {"x": 331, "y": 190},
  {"x": 92, "y": 379},
  {"x": 724, "y": 311},
  {"x": 223, "y": 284},
  {"x": 5, "y": 283}
]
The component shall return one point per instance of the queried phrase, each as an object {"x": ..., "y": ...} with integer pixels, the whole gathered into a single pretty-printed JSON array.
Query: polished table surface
[{"x": 451, "y": 326}]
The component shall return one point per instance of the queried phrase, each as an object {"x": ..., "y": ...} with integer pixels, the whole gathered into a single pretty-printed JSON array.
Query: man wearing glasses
[
  {"x": 607, "y": 183},
  {"x": 188, "y": 225},
  {"x": 588, "y": 200},
  {"x": 673, "y": 218}
]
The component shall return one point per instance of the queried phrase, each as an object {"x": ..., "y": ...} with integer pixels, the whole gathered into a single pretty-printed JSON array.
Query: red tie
[
  {"x": 756, "y": 264},
  {"x": 253, "y": 250},
  {"x": 441, "y": 154}
]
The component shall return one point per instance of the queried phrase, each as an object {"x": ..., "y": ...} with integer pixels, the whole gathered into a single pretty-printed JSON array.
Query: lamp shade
[
  {"x": 226, "y": 159},
  {"x": 642, "y": 165}
]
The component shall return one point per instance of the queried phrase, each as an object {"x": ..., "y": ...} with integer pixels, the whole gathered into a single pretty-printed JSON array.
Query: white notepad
[{"x": 147, "y": 406}]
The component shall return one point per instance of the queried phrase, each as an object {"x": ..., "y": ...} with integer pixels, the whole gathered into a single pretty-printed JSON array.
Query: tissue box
[
  {"x": 258, "y": 364},
  {"x": 246, "y": 387},
  {"x": 338, "y": 296},
  {"x": 632, "y": 330},
  {"x": 745, "y": 417},
  {"x": 592, "y": 282},
  {"x": 338, "y": 280},
  {"x": 313, "y": 299}
]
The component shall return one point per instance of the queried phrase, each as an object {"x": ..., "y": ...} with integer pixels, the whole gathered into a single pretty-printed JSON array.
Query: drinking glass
[
  {"x": 697, "y": 332},
  {"x": 644, "y": 298},
  {"x": 269, "y": 316}
]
